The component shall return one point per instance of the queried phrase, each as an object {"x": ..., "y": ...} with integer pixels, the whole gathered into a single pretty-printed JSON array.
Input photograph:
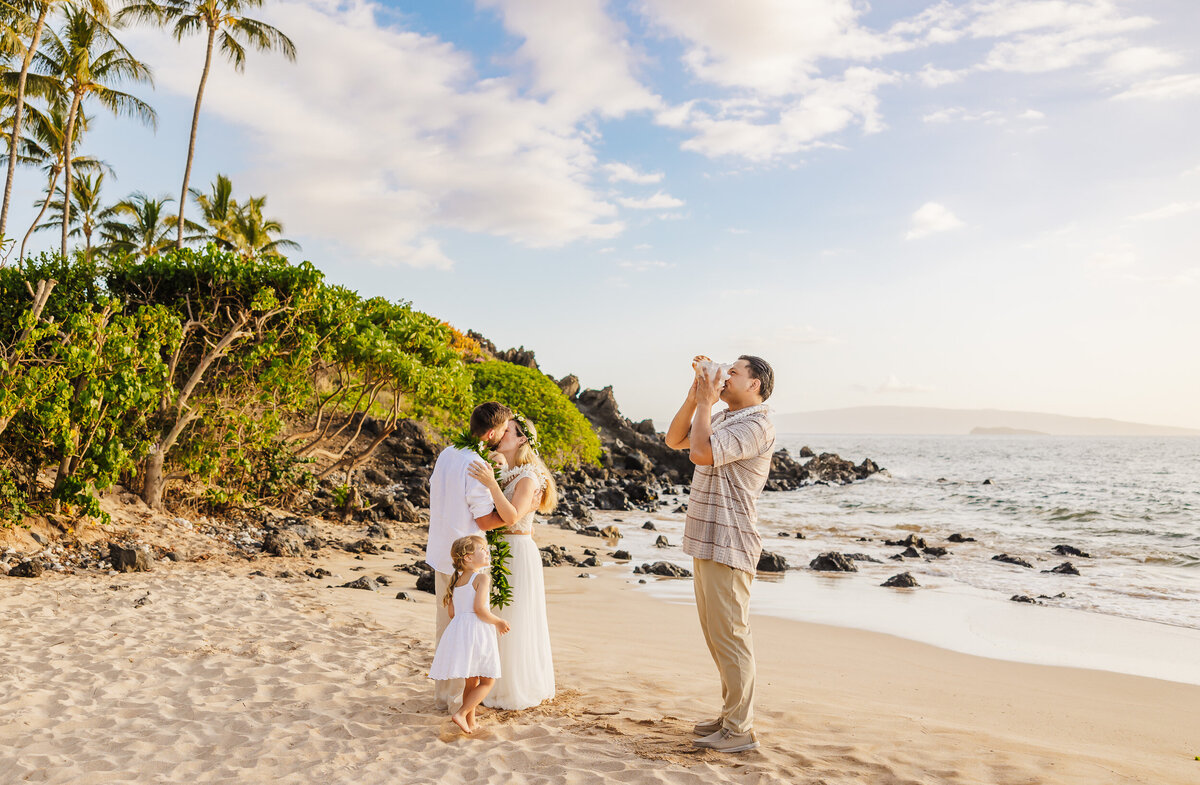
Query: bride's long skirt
[{"x": 526, "y": 666}]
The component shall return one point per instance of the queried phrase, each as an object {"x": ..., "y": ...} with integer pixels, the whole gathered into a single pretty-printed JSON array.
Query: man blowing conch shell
[{"x": 732, "y": 451}]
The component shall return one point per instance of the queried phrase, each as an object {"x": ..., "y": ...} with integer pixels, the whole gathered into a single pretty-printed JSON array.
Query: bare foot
[
  {"x": 471, "y": 721},
  {"x": 460, "y": 720}
]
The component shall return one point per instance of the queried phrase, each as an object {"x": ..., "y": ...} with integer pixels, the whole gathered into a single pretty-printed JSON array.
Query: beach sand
[{"x": 201, "y": 672}]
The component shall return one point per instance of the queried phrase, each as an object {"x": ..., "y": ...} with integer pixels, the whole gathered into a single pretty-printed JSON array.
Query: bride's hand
[
  {"x": 498, "y": 459},
  {"x": 484, "y": 474}
]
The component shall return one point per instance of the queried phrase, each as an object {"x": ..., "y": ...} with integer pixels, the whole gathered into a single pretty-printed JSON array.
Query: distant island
[
  {"x": 915, "y": 420},
  {"x": 1006, "y": 431}
]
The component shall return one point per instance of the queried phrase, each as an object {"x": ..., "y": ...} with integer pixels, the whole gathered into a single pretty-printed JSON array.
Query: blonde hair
[
  {"x": 526, "y": 456},
  {"x": 460, "y": 549}
]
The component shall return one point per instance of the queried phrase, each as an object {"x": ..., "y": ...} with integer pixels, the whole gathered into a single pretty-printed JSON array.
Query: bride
[{"x": 525, "y": 487}]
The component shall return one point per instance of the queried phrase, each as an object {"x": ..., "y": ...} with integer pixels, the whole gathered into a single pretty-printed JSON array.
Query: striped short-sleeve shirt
[{"x": 722, "y": 513}]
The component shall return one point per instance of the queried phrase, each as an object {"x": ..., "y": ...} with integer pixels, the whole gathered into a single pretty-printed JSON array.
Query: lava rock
[
  {"x": 832, "y": 562},
  {"x": 1004, "y": 557},
  {"x": 911, "y": 541},
  {"x": 381, "y": 531},
  {"x": 1024, "y": 598},
  {"x": 129, "y": 559},
  {"x": 649, "y": 525},
  {"x": 283, "y": 543},
  {"x": 861, "y": 557},
  {"x": 610, "y": 533},
  {"x": 800, "y": 535},
  {"x": 611, "y": 499},
  {"x": 365, "y": 545},
  {"x": 960, "y": 538},
  {"x": 934, "y": 551},
  {"x": 662, "y": 542},
  {"x": 27, "y": 569},
  {"x": 426, "y": 583},
  {"x": 589, "y": 562},
  {"x": 402, "y": 595},
  {"x": 1067, "y": 550},
  {"x": 904, "y": 580},
  {"x": 771, "y": 562},
  {"x": 620, "y": 555},
  {"x": 806, "y": 452},
  {"x": 911, "y": 553},
  {"x": 364, "y": 583},
  {"x": 1066, "y": 568},
  {"x": 663, "y": 568}
]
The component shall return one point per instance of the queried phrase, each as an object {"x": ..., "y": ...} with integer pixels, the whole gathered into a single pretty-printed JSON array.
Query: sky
[{"x": 980, "y": 204}]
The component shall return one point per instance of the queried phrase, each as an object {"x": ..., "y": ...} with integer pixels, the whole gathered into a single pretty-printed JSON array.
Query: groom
[
  {"x": 459, "y": 506},
  {"x": 732, "y": 453}
]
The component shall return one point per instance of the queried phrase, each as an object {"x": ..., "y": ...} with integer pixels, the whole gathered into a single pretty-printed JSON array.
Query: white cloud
[
  {"x": 1138, "y": 60},
  {"x": 932, "y": 218},
  {"x": 1164, "y": 88},
  {"x": 894, "y": 385},
  {"x": 618, "y": 172},
  {"x": 958, "y": 113},
  {"x": 639, "y": 266},
  {"x": 1168, "y": 211},
  {"x": 579, "y": 56},
  {"x": 761, "y": 130},
  {"x": 936, "y": 77},
  {"x": 1040, "y": 53},
  {"x": 1031, "y": 114},
  {"x": 659, "y": 201},
  {"x": 403, "y": 138}
]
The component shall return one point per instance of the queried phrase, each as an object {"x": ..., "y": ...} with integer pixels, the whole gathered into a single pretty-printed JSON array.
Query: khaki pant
[
  {"x": 447, "y": 693},
  {"x": 723, "y": 602}
]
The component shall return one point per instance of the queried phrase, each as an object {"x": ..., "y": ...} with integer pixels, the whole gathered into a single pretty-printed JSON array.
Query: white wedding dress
[{"x": 526, "y": 665}]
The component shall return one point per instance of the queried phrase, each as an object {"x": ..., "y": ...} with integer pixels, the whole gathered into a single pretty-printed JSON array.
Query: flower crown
[{"x": 528, "y": 430}]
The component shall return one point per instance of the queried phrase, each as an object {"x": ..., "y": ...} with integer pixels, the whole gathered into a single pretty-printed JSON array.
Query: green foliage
[{"x": 566, "y": 435}]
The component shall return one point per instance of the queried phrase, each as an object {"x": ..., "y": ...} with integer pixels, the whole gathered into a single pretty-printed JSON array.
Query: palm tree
[
  {"x": 86, "y": 58},
  {"x": 253, "y": 233},
  {"x": 218, "y": 211},
  {"x": 25, "y": 20},
  {"x": 44, "y": 145},
  {"x": 146, "y": 228},
  {"x": 223, "y": 20},
  {"x": 86, "y": 216}
]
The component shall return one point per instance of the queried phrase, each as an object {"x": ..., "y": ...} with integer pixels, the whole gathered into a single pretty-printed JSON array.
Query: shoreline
[
  {"x": 311, "y": 683},
  {"x": 943, "y": 613}
]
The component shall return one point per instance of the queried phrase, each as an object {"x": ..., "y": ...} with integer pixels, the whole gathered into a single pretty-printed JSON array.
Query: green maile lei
[{"x": 501, "y": 595}]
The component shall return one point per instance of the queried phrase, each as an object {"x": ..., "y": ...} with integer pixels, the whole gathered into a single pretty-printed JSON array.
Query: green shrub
[{"x": 567, "y": 437}]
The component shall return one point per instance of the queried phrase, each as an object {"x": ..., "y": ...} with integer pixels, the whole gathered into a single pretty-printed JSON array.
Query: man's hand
[{"x": 708, "y": 389}]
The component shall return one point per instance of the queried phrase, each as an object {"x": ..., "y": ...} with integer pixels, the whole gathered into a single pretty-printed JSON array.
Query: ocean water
[{"x": 1132, "y": 503}]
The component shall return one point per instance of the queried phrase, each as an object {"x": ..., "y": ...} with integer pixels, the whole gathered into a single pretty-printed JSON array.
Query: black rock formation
[
  {"x": 771, "y": 562},
  {"x": 1067, "y": 550},
  {"x": 1066, "y": 568},
  {"x": 1004, "y": 557},
  {"x": 902, "y": 581},
  {"x": 832, "y": 562}
]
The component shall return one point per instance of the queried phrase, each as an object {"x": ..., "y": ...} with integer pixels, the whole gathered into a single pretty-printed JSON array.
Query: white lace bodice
[{"x": 509, "y": 479}]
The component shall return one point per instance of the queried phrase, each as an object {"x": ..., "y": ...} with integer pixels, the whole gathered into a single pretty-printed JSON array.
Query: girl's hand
[
  {"x": 498, "y": 459},
  {"x": 484, "y": 474},
  {"x": 502, "y": 626}
]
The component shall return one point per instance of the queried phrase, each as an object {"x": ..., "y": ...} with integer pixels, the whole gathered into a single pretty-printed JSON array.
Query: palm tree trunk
[
  {"x": 18, "y": 111},
  {"x": 45, "y": 204},
  {"x": 68, "y": 139},
  {"x": 187, "y": 170}
]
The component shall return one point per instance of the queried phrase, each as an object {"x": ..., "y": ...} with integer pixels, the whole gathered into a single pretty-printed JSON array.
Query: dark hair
[
  {"x": 487, "y": 416},
  {"x": 760, "y": 369}
]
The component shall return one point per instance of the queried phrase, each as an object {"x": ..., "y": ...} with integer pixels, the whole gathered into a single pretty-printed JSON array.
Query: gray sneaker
[
  {"x": 708, "y": 728},
  {"x": 725, "y": 740}
]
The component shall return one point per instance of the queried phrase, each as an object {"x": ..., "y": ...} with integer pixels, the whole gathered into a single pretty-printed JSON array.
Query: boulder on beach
[
  {"x": 771, "y": 562},
  {"x": 649, "y": 526},
  {"x": 911, "y": 553},
  {"x": 664, "y": 568},
  {"x": 1066, "y": 568},
  {"x": 620, "y": 555},
  {"x": 27, "y": 569},
  {"x": 861, "y": 557},
  {"x": 662, "y": 542},
  {"x": 904, "y": 580},
  {"x": 364, "y": 583},
  {"x": 1024, "y": 598},
  {"x": 1004, "y": 557},
  {"x": 911, "y": 541},
  {"x": 832, "y": 562},
  {"x": 283, "y": 542},
  {"x": 129, "y": 559},
  {"x": 426, "y": 582},
  {"x": 1067, "y": 550},
  {"x": 960, "y": 538},
  {"x": 610, "y": 532},
  {"x": 934, "y": 551}
]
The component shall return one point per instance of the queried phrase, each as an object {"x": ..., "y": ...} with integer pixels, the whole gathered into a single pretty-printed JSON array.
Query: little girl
[{"x": 469, "y": 648}]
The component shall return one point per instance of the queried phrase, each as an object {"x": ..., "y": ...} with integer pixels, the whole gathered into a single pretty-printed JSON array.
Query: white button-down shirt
[{"x": 456, "y": 499}]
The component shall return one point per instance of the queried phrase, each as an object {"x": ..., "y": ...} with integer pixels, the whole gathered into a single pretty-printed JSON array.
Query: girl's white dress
[
  {"x": 468, "y": 647},
  {"x": 525, "y": 658}
]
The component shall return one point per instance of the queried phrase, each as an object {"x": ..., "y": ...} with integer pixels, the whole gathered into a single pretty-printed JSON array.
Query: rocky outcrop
[
  {"x": 827, "y": 468},
  {"x": 904, "y": 580},
  {"x": 283, "y": 543},
  {"x": 1068, "y": 550},
  {"x": 771, "y": 562},
  {"x": 832, "y": 562},
  {"x": 664, "y": 568},
  {"x": 629, "y": 447},
  {"x": 1066, "y": 568},
  {"x": 125, "y": 559},
  {"x": 1004, "y": 557}
]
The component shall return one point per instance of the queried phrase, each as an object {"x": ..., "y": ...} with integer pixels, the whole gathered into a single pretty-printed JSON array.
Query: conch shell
[{"x": 706, "y": 367}]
